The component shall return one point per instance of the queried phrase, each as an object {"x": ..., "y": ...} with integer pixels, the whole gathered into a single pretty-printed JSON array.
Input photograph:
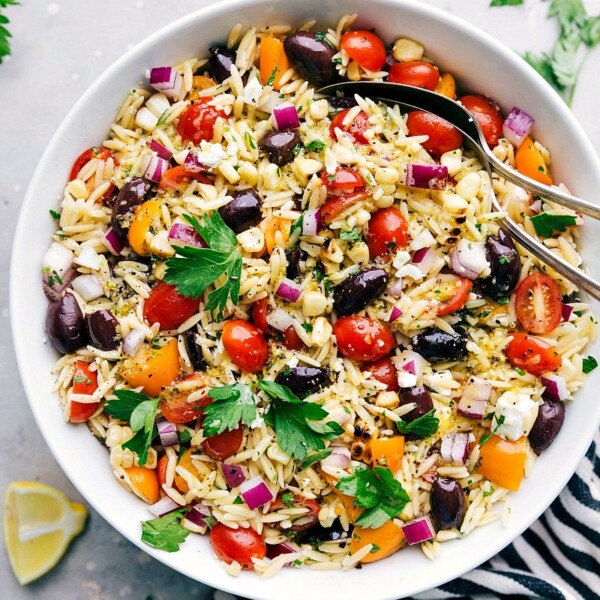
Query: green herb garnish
[
  {"x": 54, "y": 215},
  {"x": 232, "y": 404},
  {"x": 315, "y": 146},
  {"x": 545, "y": 224},
  {"x": 424, "y": 426},
  {"x": 4, "y": 33},
  {"x": 322, "y": 37},
  {"x": 311, "y": 459},
  {"x": 272, "y": 76},
  {"x": 352, "y": 235},
  {"x": 589, "y": 364},
  {"x": 486, "y": 437},
  {"x": 166, "y": 533}
]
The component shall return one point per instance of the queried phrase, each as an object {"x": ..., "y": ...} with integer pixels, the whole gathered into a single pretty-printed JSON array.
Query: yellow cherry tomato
[
  {"x": 145, "y": 482},
  {"x": 531, "y": 163},
  {"x": 386, "y": 540},
  {"x": 186, "y": 462},
  {"x": 145, "y": 216},
  {"x": 446, "y": 86}
]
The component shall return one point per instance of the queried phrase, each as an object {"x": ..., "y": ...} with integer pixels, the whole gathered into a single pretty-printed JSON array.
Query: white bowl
[{"x": 481, "y": 64}]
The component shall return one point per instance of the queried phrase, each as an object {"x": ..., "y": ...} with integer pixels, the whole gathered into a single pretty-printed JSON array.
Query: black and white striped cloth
[{"x": 557, "y": 558}]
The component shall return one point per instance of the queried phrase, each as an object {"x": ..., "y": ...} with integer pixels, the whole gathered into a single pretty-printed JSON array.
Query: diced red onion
[
  {"x": 57, "y": 268},
  {"x": 395, "y": 289},
  {"x": 419, "y": 530},
  {"x": 163, "y": 507},
  {"x": 88, "y": 287},
  {"x": 567, "y": 310},
  {"x": 167, "y": 432},
  {"x": 275, "y": 550},
  {"x": 285, "y": 116},
  {"x": 193, "y": 164},
  {"x": 166, "y": 80},
  {"x": 280, "y": 320},
  {"x": 340, "y": 458},
  {"x": 198, "y": 515},
  {"x": 455, "y": 448},
  {"x": 395, "y": 314},
  {"x": 428, "y": 177},
  {"x": 133, "y": 341},
  {"x": 517, "y": 126},
  {"x": 160, "y": 150},
  {"x": 183, "y": 234},
  {"x": 156, "y": 168},
  {"x": 468, "y": 259},
  {"x": 112, "y": 240},
  {"x": 255, "y": 492},
  {"x": 556, "y": 387},
  {"x": 424, "y": 259},
  {"x": 409, "y": 367},
  {"x": 475, "y": 398},
  {"x": 412, "y": 363},
  {"x": 311, "y": 222},
  {"x": 289, "y": 290},
  {"x": 234, "y": 474}
]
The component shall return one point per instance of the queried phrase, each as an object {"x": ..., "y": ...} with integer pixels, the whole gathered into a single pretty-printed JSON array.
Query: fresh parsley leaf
[
  {"x": 376, "y": 490},
  {"x": 590, "y": 32},
  {"x": 374, "y": 549},
  {"x": 194, "y": 269},
  {"x": 307, "y": 327},
  {"x": 4, "y": 33},
  {"x": 316, "y": 146},
  {"x": 232, "y": 404},
  {"x": 288, "y": 499},
  {"x": 272, "y": 76},
  {"x": 545, "y": 224},
  {"x": 54, "y": 215},
  {"x": 567, "y": 12},
  {"x": 296, "y": 226},
  {"x": 322, "y": 37},
  {"x": 589, "y": 364},
  {"x": 424, "y": 426},
  {"x": 352, "y": 235},
  {"x": 127, "y": 401},
  {"x": 166, "y": 533},
  {"x": 298, "y": 425},
  {"x": 486, "y": 437},
  {"x": 564, "y": 57},
  {"x": 185, "y": 436},
  {"x": 542, "y": 63},
  {"x": 311, "y": 459},
  {"x": 520, "y": 371},
  {"x": 506, "y": 2}
]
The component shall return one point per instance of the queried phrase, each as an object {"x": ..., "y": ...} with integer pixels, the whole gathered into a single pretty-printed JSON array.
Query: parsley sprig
[
  {"x": 589, "y": 363},
  {"x": 140, "y": 411},
  {"x": 424, "y": 426},
  {"x": 376, "y": 490},
  {"x": 165, "y": 533},
  {"x": 194, "y": 269},
  {"x": 298, "y": 425},
  {"x": 232, "y": 404},
  {"x": 545, "y": 224},
  {"x": 4, "y": 33}
]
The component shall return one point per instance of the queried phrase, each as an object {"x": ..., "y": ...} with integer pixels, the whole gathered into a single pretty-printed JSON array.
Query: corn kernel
[
  {"x": 314, "y": 304},
  {"x": 384, "y": 201},
  {"x": 468, "y": 186},
  {"x": 226, "y": 169},
  {"x": 271, "y": 177},
  {"x": 358, "y": 253},
  {"x": 319, "y": 109},
  {"x": 78, "y": 189},
  {"x": 248, "y": 172},
  {"x": 321, "y": 332},
  {"x": 454, "y": 203},
  {"x": 452, "y": 160},
  {"x": 388, "y": 400},
  {"x": 332, "y": 252},
  {"x": 160, "y": 245},
  {"x": 362, "y": 216},
  {"x": 252, "y": 240},
  {"x": 406, "y": 50},
  {"x": 386, "y": 175}
]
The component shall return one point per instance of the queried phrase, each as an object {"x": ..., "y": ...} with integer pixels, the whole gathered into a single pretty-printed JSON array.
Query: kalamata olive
[
  {"x": 549, "y": 421},
  {"x": 102, "y": 330},
  {"x": 304, "y": 381},
  {"x": 221, "y": 60},
  {"x": 194, "y": 351},
  {"x": 279, "y": 145},
  {"x": 310, "y": 56},
  {"x": 341, "y": 102},
  {"x": 243, "y": 211},
  {"x": 448, "y": 503},
  {"x": 421, "y": 397},
  {"x": 358, "y": 291},
  {"x": 130, "y": 196},
  {"x": 65, "y": 325},
  {"x": 504, "y": 265},
  {"x": 295, "y": 258},
  {"x": 318, "y": 534},
  {"x": 436, "y": 345}
]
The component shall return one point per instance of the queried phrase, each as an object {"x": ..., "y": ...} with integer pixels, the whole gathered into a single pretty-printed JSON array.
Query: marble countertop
[{"x": 59, "y": 48}]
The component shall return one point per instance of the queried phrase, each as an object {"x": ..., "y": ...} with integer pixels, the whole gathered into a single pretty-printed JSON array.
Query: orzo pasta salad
[{"x": 294, "y": 320}]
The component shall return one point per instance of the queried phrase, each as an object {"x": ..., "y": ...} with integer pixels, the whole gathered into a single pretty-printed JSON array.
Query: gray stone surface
[{"x": 59, "y": 48}]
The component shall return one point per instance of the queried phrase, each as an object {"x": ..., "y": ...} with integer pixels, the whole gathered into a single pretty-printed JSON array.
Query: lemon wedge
[{"x": 39, "y": 524}]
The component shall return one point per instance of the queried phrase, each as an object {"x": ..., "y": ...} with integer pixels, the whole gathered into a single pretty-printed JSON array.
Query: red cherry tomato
[
  {"x": 223, "y": 445},
  {"x": 169, "y": 308},
  {"x": 384, "y": 371},
  {"x": 338, "y": 204},
  {"x": 197, "y": 122},
  {"x": 416, "y": 73},
  {"x": 260, "y": 310},
  {"x": 101, "y": 153},
  {"x": 298, "y": 501},
  {"x": 161, "y": 470},
  {"x": 246, "y": 345},
  {"x": 453, "y": 293},
  {"x": 363, "y": 339},
  {"x": 174, "y": 404},
  {"x": 291, "y": 340},
  {"x": 532, "y": 354},
  {"x": 443, "y": 137},
  {"x": 179, "y": 176},
  {"x": 240, "y": 545},
  {"x": 365, "y": 48},
  {"x": 356, "y": 129},
  {"x": 344, "y": 181},
  {"x": 388, "y": 232},
  {"x": 488, "y": 116},
  {"x": 538, "y": 303},
  {"x": 85, "y": 381}
]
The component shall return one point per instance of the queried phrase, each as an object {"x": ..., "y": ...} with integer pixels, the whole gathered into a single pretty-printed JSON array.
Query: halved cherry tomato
[
  {"x": 452, "y": 291},
  {"x": 530, "y": 162},
  {"x": 388, "y": 232},
  {"x": 416, "y": 73},
  {"x": 363, "y": 339},
  {"x": 356, "y": 129},
  {"x": 179, "y": 177},
  {"x": 538, "y": 303},
  {"x": 161, "y": 470},
  {"x": 167, "y": 307},
  {"x": 174, "y": 404},
  {"x": 365, "y": 48},
  {"x": 197, "y": 122},
  {"x": 336, "y": 205},
  {"x": 246, "y": 345},
  {"x": 225, "y": 444},
  {"x": 385, "y": 372},
  {"x": 101, "y": 153},
  {"x": 85, "y": 381},
  {"x": 260, "y": 310},
  {"x": 291, "y": 340},
  {"x": 532, "y": 354},
  {"x": 145, "y": 482},
  {"x": 443, "y": 137},
  {"x": 503, "y": 461},
  {"x": 309, "y": 519},
  {"x": 487, "y": 114},
  {"x": 240, "y": 545},
  {"x": 344, "y": 181}
]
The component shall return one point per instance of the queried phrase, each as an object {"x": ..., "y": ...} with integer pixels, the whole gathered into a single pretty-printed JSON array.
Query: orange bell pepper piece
[
  {"x": 145, "y": 216},
  {"x": 273, "y": 61},
  {"x": 531, "y": 163},
  {"x": 277, "y": 232},
  {"x": 386, "y": 540},
  {"x": 502, "y": 461},
  {"x": 388, "y": 452},
  {"x": 186, "y": 462},
  {"x": 446, "y": 86}
]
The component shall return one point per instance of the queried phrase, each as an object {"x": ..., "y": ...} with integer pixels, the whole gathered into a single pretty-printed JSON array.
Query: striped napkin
[{"x": 558, "y": 557}]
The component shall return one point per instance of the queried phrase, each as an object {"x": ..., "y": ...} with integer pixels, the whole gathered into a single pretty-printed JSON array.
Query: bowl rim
[{"x": 221, "y": 579}]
